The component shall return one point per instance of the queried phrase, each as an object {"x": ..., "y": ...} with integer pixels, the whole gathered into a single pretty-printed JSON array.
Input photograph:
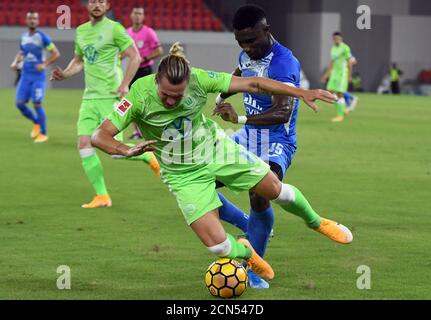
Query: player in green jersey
[
  {"x": 194, "y": 152},
  {"x": 98, "y": 45},
  {"x": 339, "y": 73}
]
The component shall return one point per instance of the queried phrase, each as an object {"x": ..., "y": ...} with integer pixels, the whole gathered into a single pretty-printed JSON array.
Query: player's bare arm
[
  {"x": 18, "y": 58},
  {"x": 103, "y": 138},
  {"x": 272, "y": 87},
  {"x": 75, "y": 66},
  {"x": 54, "y": 54},
  {"x": 327, "y": 73},
  {"x": 222, "y": 96},
  {"x": 350, "y": 67},
  {"x": 280, "y": 112},
  {"x": 132, "y": 66},
  {"x": 155, "y": 53}
]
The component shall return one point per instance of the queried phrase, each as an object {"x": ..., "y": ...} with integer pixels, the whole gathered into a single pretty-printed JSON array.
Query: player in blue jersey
[
  {"x": 269, "y": 129},
  {"x": 32, "y": 83}
]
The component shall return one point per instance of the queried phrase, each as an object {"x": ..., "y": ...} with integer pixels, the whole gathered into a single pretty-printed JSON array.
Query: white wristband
[
  {"x": 219, "y": 99},
  {"x": 242, "y": 119}
]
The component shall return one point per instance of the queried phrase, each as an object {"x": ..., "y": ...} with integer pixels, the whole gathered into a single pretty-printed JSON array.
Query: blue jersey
[
  {"x": 278, "y": 64},
  {"x": 32, "y": 48}
]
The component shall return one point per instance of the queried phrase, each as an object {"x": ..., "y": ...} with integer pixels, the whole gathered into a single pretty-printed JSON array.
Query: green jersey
[
  {"x": 100, "y": 46},
  {"x": 186, "y": 139},
  {"x": 340, "y": 55}
]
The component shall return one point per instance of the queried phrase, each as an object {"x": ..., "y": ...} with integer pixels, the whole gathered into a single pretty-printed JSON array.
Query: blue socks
[
  {"x": 26, "y": 112},
  {"x": 258, "y": 225},
  {"x": 348, "y": 97},
  {"x": 233, "y": 215},
  {"x": 259, "y": 229},
  {"x": 41, "y": 119}
]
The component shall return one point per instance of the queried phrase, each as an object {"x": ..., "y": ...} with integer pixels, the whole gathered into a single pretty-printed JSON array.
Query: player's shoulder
[
  {"x": 283, "y": 56},
  {"x": 83, "y": 27},
  {"x": 113, "y": 22},
  {"x": 345, "y": 46},
  {"x": 43, "y": 35},
  {"x": 149, "y": 29},
  {"x": 144, "y": 84}
]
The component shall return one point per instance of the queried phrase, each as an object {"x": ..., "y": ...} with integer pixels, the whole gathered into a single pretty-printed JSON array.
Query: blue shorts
[
  {"x": 31, "y": 87},
  {"x": 269, "y": 151}
]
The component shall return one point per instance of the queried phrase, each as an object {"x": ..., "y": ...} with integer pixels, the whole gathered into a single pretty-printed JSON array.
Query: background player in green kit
[
  {"x": 339, "y": 73},
  {"x": 98, "y": 44},
  {"x": 194, "y": 152}
]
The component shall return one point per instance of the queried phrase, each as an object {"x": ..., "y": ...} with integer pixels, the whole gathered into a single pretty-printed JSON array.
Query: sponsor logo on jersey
[
  {"x": 90, "y": 54},
  {"x": 123, "y": 107},
  {"x": 189, "y": 102},
  {"x": 178, "y": 129}
]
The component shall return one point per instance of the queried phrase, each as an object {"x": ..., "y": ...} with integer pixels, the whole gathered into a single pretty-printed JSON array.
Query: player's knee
[
  {"x": 221, "y": 249},
  {"x": 269, "y": 187},
  {"x": 84, "y": 142},
  {"x": 20, "y": 104},
  {"x": 258, "y": 203}
]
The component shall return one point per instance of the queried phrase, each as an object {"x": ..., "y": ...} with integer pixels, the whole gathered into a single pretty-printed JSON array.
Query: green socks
[
  {"x": 292, "y": 200},
  {"x": 94, "y": 170},
  {"x": 238, "y": 250},
  {"x": 340, "y": 108}
]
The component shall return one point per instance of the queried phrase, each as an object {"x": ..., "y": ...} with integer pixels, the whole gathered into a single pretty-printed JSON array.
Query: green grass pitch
[{"x": 372, "y": 173}]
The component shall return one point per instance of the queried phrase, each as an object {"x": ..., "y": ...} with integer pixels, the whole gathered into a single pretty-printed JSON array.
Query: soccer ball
[{"x": 226, "y": 278}]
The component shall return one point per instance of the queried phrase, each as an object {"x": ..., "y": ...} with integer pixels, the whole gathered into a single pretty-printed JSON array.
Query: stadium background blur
[
  {"x": 398, "y": 30},
  {"x": 372, "y": 171}
]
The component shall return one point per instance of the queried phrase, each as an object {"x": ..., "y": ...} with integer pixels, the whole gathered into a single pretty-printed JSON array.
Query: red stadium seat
[{"x": 173, "y": 14}]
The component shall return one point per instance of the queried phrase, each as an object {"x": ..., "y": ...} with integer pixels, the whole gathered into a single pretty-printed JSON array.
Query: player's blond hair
[{"x": 175, "y": 67}]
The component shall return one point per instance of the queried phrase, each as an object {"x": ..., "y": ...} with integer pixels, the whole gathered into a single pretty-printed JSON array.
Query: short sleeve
[
  {"x": 47, "y": 42},
  {"x": 213, "y": 81},
  {"x": 78, "y": 50},
  {"x": 285, "y": 69},
  {"x": 125, "y": 111},
  {"x": 153, "y": 40},
  {"x": 121, "y": 38}
]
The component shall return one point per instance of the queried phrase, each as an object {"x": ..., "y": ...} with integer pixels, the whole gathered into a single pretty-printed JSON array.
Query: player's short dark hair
[
  {"x": 138, "y": 6},
  {"x": 247, "y": 17},
  {"x": 337, "y": 33}
]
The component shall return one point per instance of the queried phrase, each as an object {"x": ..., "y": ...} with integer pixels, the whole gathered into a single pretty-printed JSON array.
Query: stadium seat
[{"x": 161, "y": 15}]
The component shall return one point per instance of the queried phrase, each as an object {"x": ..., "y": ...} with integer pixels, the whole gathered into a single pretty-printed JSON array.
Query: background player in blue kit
[
  {"x": 32, "y": 83},
  {"x": 269, "y": 129}
]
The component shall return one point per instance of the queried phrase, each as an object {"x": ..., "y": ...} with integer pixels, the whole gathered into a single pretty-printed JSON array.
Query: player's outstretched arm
[
  {"x": 221, "y": 97},
  {"x": 273, "y": 87},
  {"x": 103, "y": 138},
  {"x": 279, "y": 113},
  {"x": 75, "y": 66}
]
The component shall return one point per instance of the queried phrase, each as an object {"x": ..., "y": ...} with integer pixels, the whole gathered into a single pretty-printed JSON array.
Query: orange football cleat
[
  {"x": 99, "y": 202},
  {"x": 257, "y": 264},
  {"x": 335, "y": 231},
  {"x": 41, "y": 138},
  {"x": 338, "y": 119},
  {"x": 35, "y": 131},
  {"x": 154, "y": 164}
]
